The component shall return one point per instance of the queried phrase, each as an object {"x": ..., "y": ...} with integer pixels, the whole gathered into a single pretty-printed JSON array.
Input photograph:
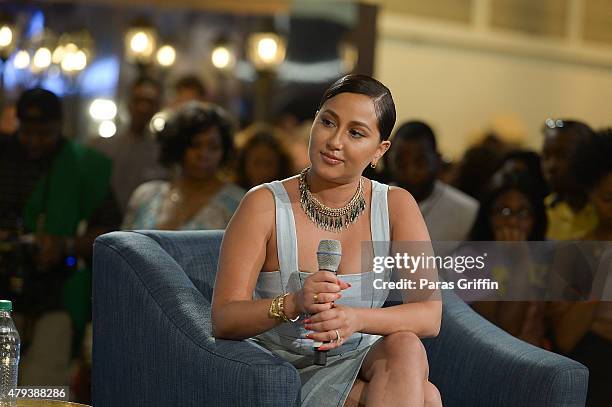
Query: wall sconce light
[
  {"x": 107, "y": 129},
  {"x": 166, "y": 55},
  {"x": 8, "y": 37},
  {"x": 41, "y": 46},
  {"x": 41, "y": 60},
  {"x": 74, "y": 59},
  {"x": 266, "y": 50},
  {"x": 223, "y": 56},
  {"x": 103, "y": 109},
  {"x": 140, "y": 42},
  {"x": 21, "y": 60}
]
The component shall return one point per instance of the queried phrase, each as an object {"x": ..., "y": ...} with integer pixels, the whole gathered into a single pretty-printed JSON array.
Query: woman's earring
[{"x": 372, "y": 165}]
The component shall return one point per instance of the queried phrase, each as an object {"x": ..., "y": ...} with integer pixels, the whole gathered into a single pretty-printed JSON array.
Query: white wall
[{"x": 459, "y": 88}]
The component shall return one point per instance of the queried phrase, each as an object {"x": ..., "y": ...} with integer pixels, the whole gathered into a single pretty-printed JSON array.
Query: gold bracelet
[
  {"x": 273, "y": 310},
  {"x": 282, "y": 310},
  {"x": 277, "y": 309}
]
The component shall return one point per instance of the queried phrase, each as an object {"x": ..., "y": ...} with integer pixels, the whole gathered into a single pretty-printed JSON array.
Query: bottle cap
[{"x": 6, "y": 305}]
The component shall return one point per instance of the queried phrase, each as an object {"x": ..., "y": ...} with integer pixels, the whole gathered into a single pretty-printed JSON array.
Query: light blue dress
[
  {"x": 322, "y": 385},
  {"x": 145, "y": 205}
]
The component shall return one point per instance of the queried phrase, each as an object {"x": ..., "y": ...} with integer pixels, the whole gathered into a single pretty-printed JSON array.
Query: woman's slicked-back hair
[
  {"x": 185, "y": 123},
  {"x": 379, "y": 93}
]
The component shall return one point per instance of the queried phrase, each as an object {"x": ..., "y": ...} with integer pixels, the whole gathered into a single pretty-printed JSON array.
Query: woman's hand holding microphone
[
  {"x": 331, "y": 323},
  {"x": 318, "y": 293}
]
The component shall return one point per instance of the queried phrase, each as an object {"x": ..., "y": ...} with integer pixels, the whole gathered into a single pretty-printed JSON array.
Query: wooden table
[{"x": 46, "y": 403}]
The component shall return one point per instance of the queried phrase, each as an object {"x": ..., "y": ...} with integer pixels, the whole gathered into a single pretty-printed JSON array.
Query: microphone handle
[{"x": 320, "y": 356}]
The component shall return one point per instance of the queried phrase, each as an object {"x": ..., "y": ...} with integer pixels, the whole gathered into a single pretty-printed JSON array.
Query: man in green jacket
[{"x": 54, "y": 200}]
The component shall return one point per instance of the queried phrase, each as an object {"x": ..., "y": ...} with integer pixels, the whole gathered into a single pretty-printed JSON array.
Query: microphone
[{"x": 329, "y": 254}]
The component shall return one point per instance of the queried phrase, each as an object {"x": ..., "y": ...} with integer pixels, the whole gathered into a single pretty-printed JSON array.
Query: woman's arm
[
  {"x": 235, "y": 315},
  {"x": 423, "y": 315},
  {"x": 421, "y": 312},
  {"x": 422, "y": 318}
]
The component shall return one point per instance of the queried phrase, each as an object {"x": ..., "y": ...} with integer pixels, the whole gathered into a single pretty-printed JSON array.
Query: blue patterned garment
[{"x": 145, "y": 204}]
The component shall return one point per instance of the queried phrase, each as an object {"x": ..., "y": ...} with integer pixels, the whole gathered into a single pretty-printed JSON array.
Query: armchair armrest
[
  {"x": 475, "y": 363},
  {"x": 152, "y": 338}
]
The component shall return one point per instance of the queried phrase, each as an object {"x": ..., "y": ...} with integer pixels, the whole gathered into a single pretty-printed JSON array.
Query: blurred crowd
[{"x": 190, "y": 172}]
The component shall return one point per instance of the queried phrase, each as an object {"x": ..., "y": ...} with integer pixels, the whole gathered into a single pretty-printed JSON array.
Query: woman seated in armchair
[{"x": 269, "y": 288}]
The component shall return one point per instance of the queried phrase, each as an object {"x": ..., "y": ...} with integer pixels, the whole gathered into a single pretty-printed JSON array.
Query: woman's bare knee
[
  {"x": 397, "y": 362},
  {"x": 432, "y": 395},
  {"x": 405, "y": 350}
]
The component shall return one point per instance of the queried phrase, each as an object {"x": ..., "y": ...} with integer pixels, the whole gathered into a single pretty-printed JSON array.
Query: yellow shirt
[{"x": 564, "y": 223}]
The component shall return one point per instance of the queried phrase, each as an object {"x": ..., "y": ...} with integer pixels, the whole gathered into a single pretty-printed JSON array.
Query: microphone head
[{"x": 329, "y": 254}]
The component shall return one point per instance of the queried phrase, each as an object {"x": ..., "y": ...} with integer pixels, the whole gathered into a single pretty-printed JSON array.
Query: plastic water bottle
[{"x": 9, "y": 355}]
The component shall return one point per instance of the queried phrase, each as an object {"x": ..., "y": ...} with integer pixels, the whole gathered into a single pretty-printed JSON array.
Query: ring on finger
[
  {"x": 314, "y": 298},
  {"x": 338, "y": 337}
]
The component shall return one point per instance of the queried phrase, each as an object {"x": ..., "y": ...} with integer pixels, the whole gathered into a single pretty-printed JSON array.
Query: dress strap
[
  {"x": 379, "y": 218},
  {"x": 286, "y": 238}
]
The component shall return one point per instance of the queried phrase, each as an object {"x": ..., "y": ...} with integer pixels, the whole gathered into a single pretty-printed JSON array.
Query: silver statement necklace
[{"x": 331, "y": 219}]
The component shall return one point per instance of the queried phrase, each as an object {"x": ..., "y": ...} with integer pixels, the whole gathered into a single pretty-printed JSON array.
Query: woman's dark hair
[
  {"x": 267, "y": 138},
  {"x": 502, "y": 182},
  {"x": 188, "y": 121},
  {"x": 379, "y": 93},
  {"x": 476, "y": 168},
  {"x": 593, "y": 159},
  {"x": 532, "y": 162}
]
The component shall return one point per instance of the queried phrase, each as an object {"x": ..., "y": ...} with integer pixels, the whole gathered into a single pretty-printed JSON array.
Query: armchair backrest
[{"x": 197, "y": 252}]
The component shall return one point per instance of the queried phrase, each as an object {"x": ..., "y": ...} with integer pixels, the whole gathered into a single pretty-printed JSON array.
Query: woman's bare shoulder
[
  {"x": 401, "y": 201},
  {"x": 254, "y": 216},
  {"x": 258, "y": 198},
  {"x": 405, "y": 216}
]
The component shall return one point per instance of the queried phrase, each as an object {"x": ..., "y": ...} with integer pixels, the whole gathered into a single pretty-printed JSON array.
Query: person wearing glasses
[{"x": 512, "y": 210}]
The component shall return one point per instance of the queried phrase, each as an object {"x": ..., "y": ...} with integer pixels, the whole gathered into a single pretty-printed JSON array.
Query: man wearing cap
[{"x": 54, "y": 194}]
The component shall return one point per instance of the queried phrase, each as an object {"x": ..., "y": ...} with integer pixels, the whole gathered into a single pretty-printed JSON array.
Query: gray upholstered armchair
[{"x": 153, "y": 344}]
